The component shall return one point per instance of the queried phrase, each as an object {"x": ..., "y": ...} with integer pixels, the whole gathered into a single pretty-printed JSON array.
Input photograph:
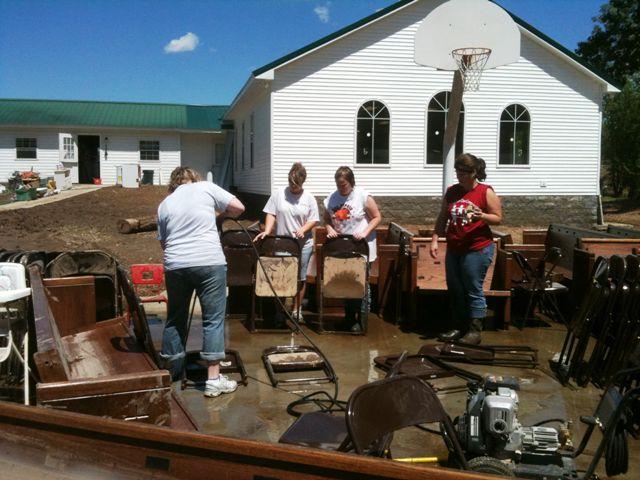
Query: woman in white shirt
[
  {"x": 295, "y": 211},
  {"x": 351, "y": 210}
]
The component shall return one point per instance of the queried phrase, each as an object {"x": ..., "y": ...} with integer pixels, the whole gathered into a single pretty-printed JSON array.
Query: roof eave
[{"x": 108, "y": 127}]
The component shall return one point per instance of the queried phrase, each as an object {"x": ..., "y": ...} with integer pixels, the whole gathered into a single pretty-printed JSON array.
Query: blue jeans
[
  {"x": 465, "y": 276},
  {"x": 210, "y": 285}
]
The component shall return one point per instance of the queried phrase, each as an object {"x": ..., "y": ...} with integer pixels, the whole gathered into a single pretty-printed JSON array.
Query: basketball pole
[{"x": 450, "y": 131}]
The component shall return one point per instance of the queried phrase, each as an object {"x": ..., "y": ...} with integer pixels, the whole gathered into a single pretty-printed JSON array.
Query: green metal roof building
[{"x": 96, "y": 139}]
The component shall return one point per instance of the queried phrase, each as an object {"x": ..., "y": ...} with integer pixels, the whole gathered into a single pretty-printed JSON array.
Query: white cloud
[
  {"x": 186, "y": 43},
  {"x": 322, "y": 12}
]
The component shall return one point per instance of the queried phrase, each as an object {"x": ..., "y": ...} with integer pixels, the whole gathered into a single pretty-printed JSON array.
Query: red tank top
[{"x": 463, "y": 233}]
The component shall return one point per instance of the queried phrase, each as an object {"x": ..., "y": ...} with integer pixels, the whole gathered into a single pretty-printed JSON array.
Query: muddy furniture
[
  {"x": 97, "y": 264},
  {"x": 374, "y": 411},
  {"x": 343, "y": 274},
  {"x": 537, "y": 282},
  {"x": 429, "y": 277},
  {"x": 100, "y": 369},
  {"x": 277, "y": 274},
  {"x": 241, "y": 257},
  {"x": 394, "y": 274}
]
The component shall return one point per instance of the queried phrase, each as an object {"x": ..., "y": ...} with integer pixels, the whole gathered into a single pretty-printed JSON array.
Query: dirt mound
[{"x": 85, "y": 222}]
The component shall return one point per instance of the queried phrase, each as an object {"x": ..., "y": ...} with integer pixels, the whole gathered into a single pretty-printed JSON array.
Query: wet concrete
[{"x": 258, "y": 410}]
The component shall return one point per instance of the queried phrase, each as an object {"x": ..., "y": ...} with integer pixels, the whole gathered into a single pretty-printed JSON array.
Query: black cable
[
  {"x": 617, "y": 452},
  {"x": 308, "y": 398}
]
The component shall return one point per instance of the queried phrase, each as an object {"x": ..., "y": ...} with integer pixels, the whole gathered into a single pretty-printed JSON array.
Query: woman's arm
[
  {"x": 440, "y": 228},
  {"x": 269, "y": 223},
  {"x": 302, "y": 231},
  {"x": 493, "y": 214},
  {"x": 331, "y": 232},
  {"x": 373, "y": 213}
]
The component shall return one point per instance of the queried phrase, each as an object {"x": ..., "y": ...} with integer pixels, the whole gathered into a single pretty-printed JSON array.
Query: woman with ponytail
[{"x": 468, "y": 209}]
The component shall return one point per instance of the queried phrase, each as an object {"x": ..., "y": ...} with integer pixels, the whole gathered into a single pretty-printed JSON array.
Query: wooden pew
[
  {"x": 394, "y": 273},
  {"x": 95, "y": 368},
  {"x": 429, "y": 276}
]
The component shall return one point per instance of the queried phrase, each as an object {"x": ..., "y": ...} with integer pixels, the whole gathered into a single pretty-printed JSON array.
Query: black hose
[
  {"x": 334, "y": 403},
  {"x": 617, "y": 453}
]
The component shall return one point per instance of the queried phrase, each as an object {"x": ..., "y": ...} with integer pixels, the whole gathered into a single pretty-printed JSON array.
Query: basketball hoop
[{"x": 471, "y": 62}]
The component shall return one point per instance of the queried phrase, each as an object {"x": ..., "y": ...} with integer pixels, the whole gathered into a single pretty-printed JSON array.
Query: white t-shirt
[
  {"x": 292, "y": 211},
  {"x": 187, "y": 225},
  {"x": 348, "y": 215}
]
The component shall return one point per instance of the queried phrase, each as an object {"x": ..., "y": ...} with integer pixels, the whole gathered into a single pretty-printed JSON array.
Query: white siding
[
  {"x": 258, "y": 178},
  {"x": 315, "y": 100},
  {"x": 48, "y": 153},
  {"x": 121, "y": 146}
]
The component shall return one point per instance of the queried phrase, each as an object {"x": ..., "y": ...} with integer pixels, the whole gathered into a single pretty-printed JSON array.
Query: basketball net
[{"x": 471, "y": 62}]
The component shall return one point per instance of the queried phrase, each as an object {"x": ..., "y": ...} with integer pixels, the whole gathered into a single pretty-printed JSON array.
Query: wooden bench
[
  {"x": 95, "y": 368},
  {"x": 429, "y": 276}
]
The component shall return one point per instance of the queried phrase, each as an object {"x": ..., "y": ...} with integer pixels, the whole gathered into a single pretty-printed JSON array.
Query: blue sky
[{"x": 198, "y": 52}]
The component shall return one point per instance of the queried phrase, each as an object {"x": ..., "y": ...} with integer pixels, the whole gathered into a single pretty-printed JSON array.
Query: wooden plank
[
  {"x": 73, "y": 303},
  {"x": 605, "y": 247},
  {"x": 109, "y": 349},
  {"x": 155, "y": 379},
  {"x": 50, "y": 358},
  {"x": 530, "y": 236},
  {"x": 432, "y": 275},
  {"x": 127, "y": 447}
]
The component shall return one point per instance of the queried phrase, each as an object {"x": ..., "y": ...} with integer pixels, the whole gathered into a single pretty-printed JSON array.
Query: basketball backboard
[{"x": 464, "y": 24}]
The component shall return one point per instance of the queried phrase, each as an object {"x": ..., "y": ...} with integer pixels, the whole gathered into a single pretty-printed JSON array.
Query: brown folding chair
[{"x": 374, "y": 412}]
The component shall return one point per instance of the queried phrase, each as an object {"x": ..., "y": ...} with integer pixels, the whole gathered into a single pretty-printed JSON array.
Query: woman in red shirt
[{"x": 468, "y": 208}]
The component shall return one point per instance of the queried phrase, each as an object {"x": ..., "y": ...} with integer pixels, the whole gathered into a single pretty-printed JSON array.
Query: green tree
[
  {"x": 614, "y": 44},
  {"x": 621, "y": 139},
  {"x": 614, "y": 48}
]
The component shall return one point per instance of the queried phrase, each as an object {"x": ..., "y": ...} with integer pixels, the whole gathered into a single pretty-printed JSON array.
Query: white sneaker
[
  {"x": 222, "y": 384},
  {"x": 297, "y": 315}
]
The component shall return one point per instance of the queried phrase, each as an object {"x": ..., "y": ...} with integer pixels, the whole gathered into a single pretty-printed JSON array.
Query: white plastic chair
[{"x": 13, "y": 288}]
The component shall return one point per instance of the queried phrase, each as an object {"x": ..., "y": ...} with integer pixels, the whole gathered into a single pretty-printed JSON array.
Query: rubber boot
[
  {"x": 472, "y": 337},
  {"x": 450, "y": 336}
]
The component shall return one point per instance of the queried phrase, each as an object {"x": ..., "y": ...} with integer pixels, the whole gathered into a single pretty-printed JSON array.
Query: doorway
[{"x": 88, "y": 158}]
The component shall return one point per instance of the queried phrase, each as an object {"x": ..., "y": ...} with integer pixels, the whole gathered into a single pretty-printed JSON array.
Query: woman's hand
[
  {"x": 359, "y": 235},
  {"x": 433, "y": 249},
  {"x": 476, "y": 214},
  {"x": 299, "y": 233},
  {"x": 259, "y": 236},
  {"x": 331, "y": 232}
]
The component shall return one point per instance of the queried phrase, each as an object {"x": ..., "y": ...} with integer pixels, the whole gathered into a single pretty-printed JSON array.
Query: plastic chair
[
  {"x": 13, "y": 289},
  {"x": 149, "y": 275}
]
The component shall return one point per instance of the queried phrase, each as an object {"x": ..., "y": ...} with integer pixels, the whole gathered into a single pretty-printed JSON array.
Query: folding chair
[
  {"x": 374, "y": 412},
  {"x": 344, "y": 274},
  {"x": 539, "y": 285},
  {"x": 241, "y": 257},
  {"x": 150, "y": 276}
]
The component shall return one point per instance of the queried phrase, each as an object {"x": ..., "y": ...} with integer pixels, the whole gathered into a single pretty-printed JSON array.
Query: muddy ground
[{"x": 89, "y": 221}]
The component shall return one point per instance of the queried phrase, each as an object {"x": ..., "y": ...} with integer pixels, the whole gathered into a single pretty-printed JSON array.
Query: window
[
  {"x": 68, "y": 154},
  {"x": 515, "y": 128},
  {"x": 242, "y": 145},
  {"x": 26, "y": 148},
  {"x": 149, "y": 150},
  {"x": 373, "y": 134},
  {"x": 437, "y": 112},
  {"x": 251, "y": 142}
]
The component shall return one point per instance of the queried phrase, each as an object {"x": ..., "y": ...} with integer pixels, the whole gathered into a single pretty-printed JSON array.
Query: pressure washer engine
[{"x": 489, "y": 430}]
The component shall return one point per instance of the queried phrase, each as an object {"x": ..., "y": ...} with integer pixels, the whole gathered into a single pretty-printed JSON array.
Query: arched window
[
  {"x": 515, "y": 129},
  {"x": 436, "y": 122},
  {"x": 373, "y": 134}
]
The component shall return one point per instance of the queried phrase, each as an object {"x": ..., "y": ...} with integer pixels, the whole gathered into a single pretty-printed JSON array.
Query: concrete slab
[{"x": 63, "y": 195}]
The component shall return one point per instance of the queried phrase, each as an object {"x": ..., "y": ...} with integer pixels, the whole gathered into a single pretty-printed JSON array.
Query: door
[{"x": 88, "y": 158}]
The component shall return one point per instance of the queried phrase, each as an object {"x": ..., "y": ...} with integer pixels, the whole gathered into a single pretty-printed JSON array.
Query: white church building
[
  {"x": 354, "y": 98},
  {"x": 358, "y": 98}
]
